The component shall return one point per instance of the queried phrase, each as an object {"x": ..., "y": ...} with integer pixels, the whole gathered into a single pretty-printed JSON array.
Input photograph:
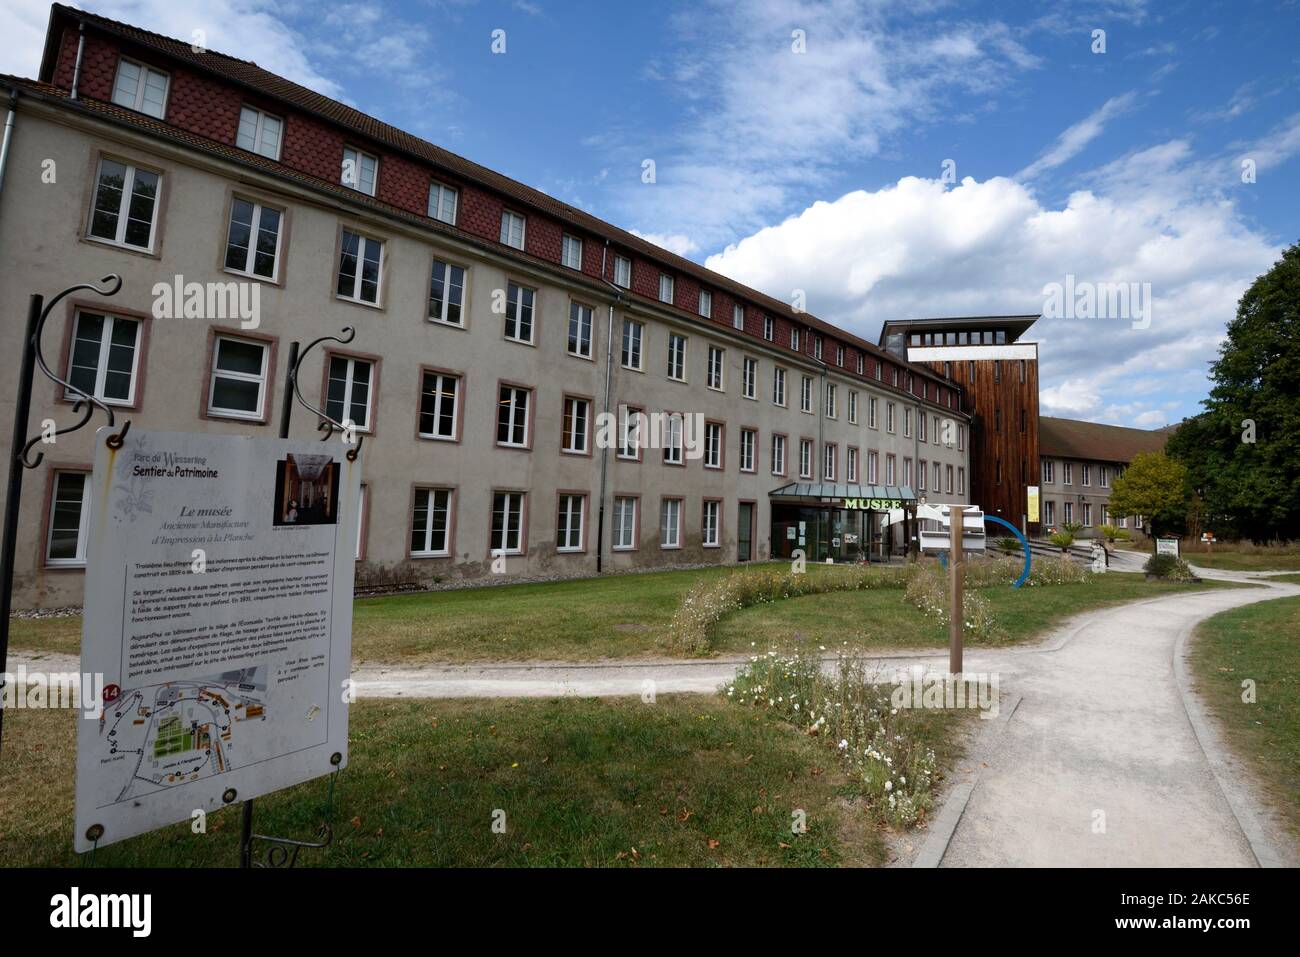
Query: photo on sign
[{"x": 306, "y": 490}]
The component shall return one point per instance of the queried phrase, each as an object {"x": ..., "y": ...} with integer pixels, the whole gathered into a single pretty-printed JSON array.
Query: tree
[
  {"x": 1243, "y": 452},
  {"x": 1154, "y": 486}
]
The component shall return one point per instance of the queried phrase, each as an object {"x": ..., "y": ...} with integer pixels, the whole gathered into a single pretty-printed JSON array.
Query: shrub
[
  {"x": 1169, "y": 568},
  {"x": 1062, "y": 540},
  {"x": 1008, "y": 546},
  {"x": 853, "y": 716}
]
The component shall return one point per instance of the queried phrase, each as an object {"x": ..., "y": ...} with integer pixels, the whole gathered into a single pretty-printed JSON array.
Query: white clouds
[
  {"x": 1072, "y": 141},
  {"x": 915, "y": 249},
  {"x": 678, "y": 243}
]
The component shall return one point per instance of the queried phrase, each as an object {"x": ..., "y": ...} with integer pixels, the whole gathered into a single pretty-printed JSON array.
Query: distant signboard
[
  {"x": 219, "y": 609},
  {"x": 1167, "y": 546},
  {"x": 1031, "y": 504}
]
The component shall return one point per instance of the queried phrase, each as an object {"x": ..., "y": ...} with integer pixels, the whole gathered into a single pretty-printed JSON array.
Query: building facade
[{"x": 506, "y": 345}]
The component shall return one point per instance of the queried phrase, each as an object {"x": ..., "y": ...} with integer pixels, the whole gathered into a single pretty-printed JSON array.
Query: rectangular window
[
  {"x": 447, "y": 293},
  {"x": 1085, "y": 474},
  {"x": 512, "y": 229},
  {"x": 623, "y": 277},
  {"x": 439, "y": 395},
  {"x": 665, "y": 288},
  {"x": 907, "y": 471},
  {"x": 817, "y": 346},
  {"x": 948, "y": 475},
  {"x": 961, "y": 480},
  {"x": 891, "y": 469},
  {"x": 670, "y": 523},
  {"x": 360, "y": 266},
  {"x": 713, "y": 445},
  {"x": 1104, "y": 477},
  {"x": 672, "y": 439},
  {"x": 577, "y": 423},
  {"x": 794, "y": 339},
  {"x": 1087, "y": 514},
  {"x": 889, "y": 417},
  {"x": 1067, "y": 509},
  {"x": 920, "y": 426},
  {"x": 839, "y": 355},
  {"x": 851, "y": 466},
  {"x": 769, "y": 328},
  {"x": 861, "y": 365},
  {"x": 512, "y": 416},
  {"x": 568, "y": 524},
  {"x": 431, "y": 523},
  {"x": 873, "y": 467},
  {"x": 629, "y": 431},
  {"x": 360, "y": 170},
  {"x": 706, "y": 304},
  {"x": 828, "y": 462},
  {"x": 907, "y": 422},
  {"x": 1048, "y": 472},
  {"x": 519, "y": 313},
  {"x": 714, "y": 372},
  {"x": 105, "y": 351},
  {"x": 749, "y": 378},
  {"x": 778, "y": 387},
  {"x": 805, "y": 459},
  {"x": 253, "y": 239},
  {"x": 348, "y": 391},
  {"x": 238, "y": 378},
  {"x": 1049, "y": 513},
  {"x": 632, "y": 331},
  {"x": 922, "y": 467},
  {"x": 126, "y": 205},
  {"x": 507, "y": 523},
  {"x": 580, "y": 330},
  {"x": 748, "y": 445},
  {"x": 140, "y": 88},
  {"x": 443, "y": 202},
  {"x": 830, "y": 401},
  {"x": 69, "y": 520},
  {"x": 961, "y": 438},
  {"x": 806, "y": 394},
  {"x": 676, "y": 357},
  {"x": 778, "y": 455},
  {"x": 937, "y": 471},
  {"x": 571, "y": 251},
  {"x": 738, "y": 316},
  {"x": 871, "y": 412},
  {"x": 624, "y": 523},
  {"x": 711, "y": 524},
  {"x": 1067, "y": 473},
  {"x": 259, "y": 132},
  {"x": 853, "y": 407}
]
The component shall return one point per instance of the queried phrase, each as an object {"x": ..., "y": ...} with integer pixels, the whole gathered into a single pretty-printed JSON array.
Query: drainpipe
[
  {"x": 81, "y": 47},
  {"x": 604, "y": 452},
  {"x": 10, "y": 119}
]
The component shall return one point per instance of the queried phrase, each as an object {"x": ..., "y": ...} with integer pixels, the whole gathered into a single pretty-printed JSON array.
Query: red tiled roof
[{"x": 1073, "y": 439}]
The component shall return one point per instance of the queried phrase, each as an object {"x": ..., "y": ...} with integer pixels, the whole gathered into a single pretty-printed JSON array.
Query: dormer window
[{"x": 140, "y": 88}]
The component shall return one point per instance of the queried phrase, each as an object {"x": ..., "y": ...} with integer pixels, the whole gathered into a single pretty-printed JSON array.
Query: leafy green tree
[
  {"x": 1153, "y": 485},
  {"x": 1243, "y": 452}
]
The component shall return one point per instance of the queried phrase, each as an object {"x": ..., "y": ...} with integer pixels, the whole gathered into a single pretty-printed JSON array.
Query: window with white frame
[
  {"x": 580, "y": 317},
  {"x": 1049, "y": 513},
  {"x": 1067, "y": 473},
  {"x": 126, "y": 205},
  {"x": 839, "y": 355},
  {"x": 443, "y": 202},
  {"x": 1137, "y": 521},
  {"x": 706, "y": 304},
  {"x": 889, "y": 417},
  {"x": 948, "y": 475},
  {"x": 140, "y": 88},
  {"x": 238, "y": 385},
  {"x": 935, "y": 432},
  {"x": 873, "y": 467},
  {"x": 922, "y": 468},
  {"x": 961, "y": 480},
  {"x": 439, "y": 410},
  {"x": 961, "y": 438},
  {"x": 778, "y": 387},
  {"x": 360, "y": 267},
  {"x": 871, "y": 412},
  {"x": 447, "y": 293},
  {"x": 920, "y": 426},
  {"x": 748, "y": 449},
  {"x": 348, "y": 391},
  {"x": 1085, "y": 474},
  {"x": 1067, "y": 511},
  {"x": 769, "y": 328},
  {"x": 891, "y": 470},
  {"x": 507, "y": 523},
  {"x": 670, "y": 523},
  {"x": 1086, "y": 508},
  {"x": 907, "y": 471},
  {"x": 817, "y": 346},
  {"x": 665, "y": 287},
  {"x": 794, "y": 339},
  {"x": 69, "y": 519},
  {"x": 519, "y": 313},
  {"x": 253, "y": 239},
  {"x": 632, "y": 333},
  {"x": 831, "y": 411},
  {"x": 853, "y": 407},
  {"x": 713, "y": 445},
  {"x": 568, "y": 525},
  {"x": 673, "y": 451},
  {"x": 676, "y": 357},
  {"x": 104, "y": 356},
  {"x": 259, "y": 132},
  {"x": 829, "y": 455},
  {"x": 861, "y": 365},
  {"x": 851, "y": 466},
  {"x": 749, "y": 377},
  {"x": 778, "y": 455},
  {"x": 624, "y": 522},
  {"x": 622, "y": 271},
  {"x": 907, "y": 422},
  {"x": 360, "y": 170},
  {"x": 711, "y": 524},
  {"x": 431, "y": 523},
  {"x": 1103, "y": 477},
  {"x": 805, "y": 458},
  {"x": 631, "y": 422},
  {"x": 512, "y": 416},
  {"x": 571, "y": 251},
  {"x": 738, "y": 316},
  {"x": 938, "y": 470},
  {"x": 512, "y": 229},
  {"x": 576, "y": 425},
  {"x": 806, "y": 394},
  {"x": 713, "y": 379}
]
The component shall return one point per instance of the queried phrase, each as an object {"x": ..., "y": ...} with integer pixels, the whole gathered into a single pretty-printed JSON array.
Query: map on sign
[{"x": 219, "y": 614}]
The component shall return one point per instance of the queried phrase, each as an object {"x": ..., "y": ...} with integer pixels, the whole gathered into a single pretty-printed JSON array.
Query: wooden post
[{"x": 956, "y": 613}]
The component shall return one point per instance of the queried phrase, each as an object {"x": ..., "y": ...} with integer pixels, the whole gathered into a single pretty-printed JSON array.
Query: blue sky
[{"x": 822, "y": 170}]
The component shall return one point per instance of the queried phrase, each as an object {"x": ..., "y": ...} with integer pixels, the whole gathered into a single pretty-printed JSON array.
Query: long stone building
[{"x": 498, "y": 334}]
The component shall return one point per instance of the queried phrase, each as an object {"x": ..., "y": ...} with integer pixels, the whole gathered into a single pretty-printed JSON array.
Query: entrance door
[{"x": 745, "y": 532}]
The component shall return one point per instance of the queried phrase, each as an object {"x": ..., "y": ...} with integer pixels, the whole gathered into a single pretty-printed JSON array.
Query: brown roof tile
[{"x": 1073, "y": 439}]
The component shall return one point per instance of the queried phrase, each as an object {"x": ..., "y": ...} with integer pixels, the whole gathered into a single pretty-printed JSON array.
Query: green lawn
[
  {"x": 1236, "y": 562},
  {"x": 1288, "y": 579},
  {"x": 1261, "y": 643},
  {"x": 882, "y": 620},
  {"x": 687, "y": 781}
]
